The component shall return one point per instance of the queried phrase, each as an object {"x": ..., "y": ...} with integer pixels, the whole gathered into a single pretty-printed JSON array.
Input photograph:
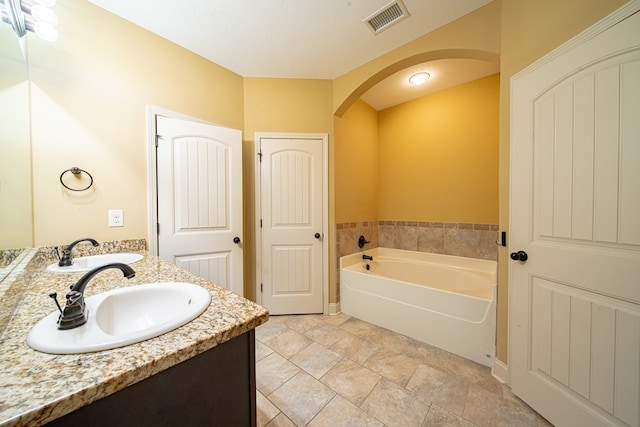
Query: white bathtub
[{"x": 442, "y": 300}]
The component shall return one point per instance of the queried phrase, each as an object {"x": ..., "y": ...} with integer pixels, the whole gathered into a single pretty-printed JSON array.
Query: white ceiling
[{"x": 308, "y": 39}]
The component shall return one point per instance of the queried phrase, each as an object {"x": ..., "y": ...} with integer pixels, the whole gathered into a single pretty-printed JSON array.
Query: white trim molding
[
  {"x": 500, "y": 371},
  {"x": 334, "y": 308}
]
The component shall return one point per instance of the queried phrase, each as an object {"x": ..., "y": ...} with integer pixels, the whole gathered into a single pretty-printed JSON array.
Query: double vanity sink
[{"x": 138, "y": 331}]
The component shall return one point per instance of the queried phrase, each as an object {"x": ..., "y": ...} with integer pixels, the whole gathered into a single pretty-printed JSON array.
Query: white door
[
  {"x": 575, "y": 211},
  {"x": 292, "y": 217},
  {"x": 200, "y": 199}
]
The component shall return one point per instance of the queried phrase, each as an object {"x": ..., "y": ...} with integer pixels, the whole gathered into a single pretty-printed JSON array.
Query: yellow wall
[
  {"x": 89, "y": 92},
  {"x": 356, "y": 164},
  {"x": 438, "y": 156},
  {"x": 285, "y": 106},
  {"x": 431, "y": 159}
]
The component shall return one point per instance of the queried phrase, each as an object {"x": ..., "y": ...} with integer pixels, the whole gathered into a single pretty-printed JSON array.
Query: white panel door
[
  {"x": 291, "y": 175},
  {"x": 200, "y": 199},
  {"x": 575, "y": 210}
]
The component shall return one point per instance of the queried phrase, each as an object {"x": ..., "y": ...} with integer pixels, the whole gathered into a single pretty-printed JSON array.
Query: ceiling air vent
[{"x": 386, "y": 17}]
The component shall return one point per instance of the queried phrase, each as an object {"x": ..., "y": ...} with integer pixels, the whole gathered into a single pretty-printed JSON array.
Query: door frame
[
  {"x": 325, "y": 211},
  {"x": 152, "y": 169}
]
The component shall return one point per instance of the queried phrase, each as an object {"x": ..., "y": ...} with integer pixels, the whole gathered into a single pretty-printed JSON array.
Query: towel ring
[{"x": 76, "y": 171}]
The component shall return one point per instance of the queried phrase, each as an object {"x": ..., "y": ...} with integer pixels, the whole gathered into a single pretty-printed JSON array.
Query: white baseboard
[
  {"x": 334, "y": 308},
  {"x": 500, "y": 371}
]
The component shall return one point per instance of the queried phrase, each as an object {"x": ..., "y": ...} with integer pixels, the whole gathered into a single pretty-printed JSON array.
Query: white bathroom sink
[
  {"x": 87, "y": 263},
  {"x": 123, "y": 316}
]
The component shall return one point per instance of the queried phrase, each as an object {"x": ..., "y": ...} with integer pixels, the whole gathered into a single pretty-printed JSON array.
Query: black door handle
[
  {"x": 519, "y": 256},
  {"x": 236, "y": 240},
  {"x": 317, "y": 235}
]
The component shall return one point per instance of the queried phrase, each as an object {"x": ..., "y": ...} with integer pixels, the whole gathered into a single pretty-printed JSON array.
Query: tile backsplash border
[{"x": 459, "y": 239}]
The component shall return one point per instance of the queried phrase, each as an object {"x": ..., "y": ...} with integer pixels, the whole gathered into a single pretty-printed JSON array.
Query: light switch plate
[{"x": 116, "y": 218}]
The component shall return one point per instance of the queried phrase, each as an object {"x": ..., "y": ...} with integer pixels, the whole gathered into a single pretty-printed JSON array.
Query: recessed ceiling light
[{"x": 419, "y": 78}]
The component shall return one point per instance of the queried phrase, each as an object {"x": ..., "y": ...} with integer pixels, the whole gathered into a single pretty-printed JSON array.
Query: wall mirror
[{"x": 16, "y": 228}]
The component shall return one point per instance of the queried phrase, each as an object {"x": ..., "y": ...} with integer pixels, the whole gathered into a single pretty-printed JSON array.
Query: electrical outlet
[{"x": 116, "y": 218}]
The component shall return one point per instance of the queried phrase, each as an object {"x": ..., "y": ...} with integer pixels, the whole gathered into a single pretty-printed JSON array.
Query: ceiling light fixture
[
  {"x": 31, "y": 15},
  {"x": 419, "y": 78}
]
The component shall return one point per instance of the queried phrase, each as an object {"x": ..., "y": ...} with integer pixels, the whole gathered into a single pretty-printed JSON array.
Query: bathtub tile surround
[
  {"x": 459, "y": 239},
  {"x": 430, "y": 239},
  {"x": 347, "y": 235},
  {"x": 449, "y": 238},
  {"x": 401, "y": 382}
]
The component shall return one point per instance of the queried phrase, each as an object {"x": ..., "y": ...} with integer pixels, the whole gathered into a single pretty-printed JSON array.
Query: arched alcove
[
  {"x": 387, "y": 71},
  {"x": 430, "y": 162}
]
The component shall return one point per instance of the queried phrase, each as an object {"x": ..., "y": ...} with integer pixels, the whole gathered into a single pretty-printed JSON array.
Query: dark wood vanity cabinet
[{"x": 215, "y": 388}]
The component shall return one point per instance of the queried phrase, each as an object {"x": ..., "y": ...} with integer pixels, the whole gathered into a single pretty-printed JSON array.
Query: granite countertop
[{"x": 36, "y": 388}]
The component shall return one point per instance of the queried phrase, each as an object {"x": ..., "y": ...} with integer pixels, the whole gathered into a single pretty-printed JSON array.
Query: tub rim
[{"x": 454, "y": 261}]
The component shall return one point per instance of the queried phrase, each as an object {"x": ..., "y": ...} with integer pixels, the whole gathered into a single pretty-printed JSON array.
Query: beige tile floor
[{"x": 315, "y": 370}]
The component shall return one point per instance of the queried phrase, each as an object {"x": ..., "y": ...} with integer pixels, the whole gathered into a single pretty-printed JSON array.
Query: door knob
[
  {"x": 236, "y": 240},
  {"x": 519, "y": 256},
  {"x": 317, "y": 235}
]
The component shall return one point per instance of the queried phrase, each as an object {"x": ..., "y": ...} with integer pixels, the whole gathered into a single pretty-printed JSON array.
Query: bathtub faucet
[{"x": 367, "y": 257}]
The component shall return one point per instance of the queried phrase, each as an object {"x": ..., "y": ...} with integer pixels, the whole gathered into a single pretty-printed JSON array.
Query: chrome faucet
[
  {"x": 75, "y": 312},
  {"x": 66, "y": 259},
  {"x": 367, "y": 257}
]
